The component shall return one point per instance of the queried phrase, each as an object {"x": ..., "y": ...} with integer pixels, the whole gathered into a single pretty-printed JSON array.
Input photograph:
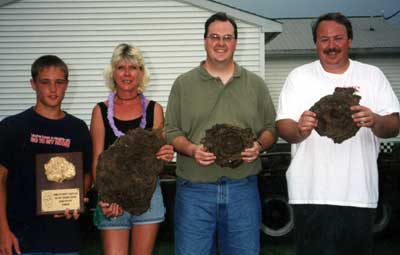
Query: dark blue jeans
[
  {"x": 333, "y": 230},
  {"x": 224, "y": 215}
]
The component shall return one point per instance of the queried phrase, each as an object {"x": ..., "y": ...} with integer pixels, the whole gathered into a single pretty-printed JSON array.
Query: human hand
[
  {"x": 166, "y": 153},
  {"x": 251, "y": 154},
  {"x": 110, "y": 210},
  {"x": 68, "y": 214},
  {"x": 307, "y": 122},
  {"x": 363, "y": 117},
  {"x": 8, "y": 243},
  {"x": 202, "y": 156}
]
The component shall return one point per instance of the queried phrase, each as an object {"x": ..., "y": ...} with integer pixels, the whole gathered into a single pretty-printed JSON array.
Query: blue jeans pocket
[{"x": 183, "y": 183}]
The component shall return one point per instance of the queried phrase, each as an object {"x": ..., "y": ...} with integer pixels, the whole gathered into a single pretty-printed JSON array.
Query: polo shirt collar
[{"x": 206, "y": 76}]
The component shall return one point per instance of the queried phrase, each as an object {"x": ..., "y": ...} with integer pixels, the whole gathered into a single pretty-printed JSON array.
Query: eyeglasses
[{"x": 216, "y": 38}]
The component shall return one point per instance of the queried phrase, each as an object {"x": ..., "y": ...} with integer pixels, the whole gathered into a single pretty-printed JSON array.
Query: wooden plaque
[{"x": 55, "y": 195}]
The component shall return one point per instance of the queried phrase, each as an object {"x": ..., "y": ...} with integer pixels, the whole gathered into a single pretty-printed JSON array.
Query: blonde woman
[{"x": 127, "y": 108}]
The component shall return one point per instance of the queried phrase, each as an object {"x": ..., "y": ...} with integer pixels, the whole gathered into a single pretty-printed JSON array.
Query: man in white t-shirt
[{"x": 333, "y": 187}]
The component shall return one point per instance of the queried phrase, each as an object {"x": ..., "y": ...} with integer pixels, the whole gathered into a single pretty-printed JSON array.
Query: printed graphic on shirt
[{"x": 50, "y": 140}]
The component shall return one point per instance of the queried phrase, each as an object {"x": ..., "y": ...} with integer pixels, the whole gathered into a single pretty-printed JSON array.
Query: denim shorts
[{"x": 155, "y": 214}]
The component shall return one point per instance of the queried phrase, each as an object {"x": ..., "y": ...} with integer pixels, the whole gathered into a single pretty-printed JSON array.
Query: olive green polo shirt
[{"x": 198, "y": 101}]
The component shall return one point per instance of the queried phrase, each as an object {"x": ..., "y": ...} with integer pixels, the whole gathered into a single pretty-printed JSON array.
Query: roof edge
[
  {"x": 5, "y": 2},
  {"x": 267, "y": 24}
]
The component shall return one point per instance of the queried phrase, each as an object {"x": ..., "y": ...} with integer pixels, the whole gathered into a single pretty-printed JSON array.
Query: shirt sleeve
[
  {"x": 288, "y": 107},
  {"x": 269, "y": 112},
  {"x": 7, "y": 133},
  {"x": 386, "y": 100},
  {"x": 173, "y": 114}
]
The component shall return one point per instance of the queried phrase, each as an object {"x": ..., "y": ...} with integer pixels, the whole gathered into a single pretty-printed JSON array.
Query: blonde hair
[{"x": 129, "y": 53}]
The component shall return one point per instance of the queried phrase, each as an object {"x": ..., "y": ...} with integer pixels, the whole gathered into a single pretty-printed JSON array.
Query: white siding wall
[
  {"x": 277, "y": 69},
  {"x": 84, "y": 33}
]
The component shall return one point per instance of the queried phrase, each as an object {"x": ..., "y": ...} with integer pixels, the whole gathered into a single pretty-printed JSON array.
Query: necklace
[
  {"x": 110, "y": 113},
  {"x": 126, "y": 99}
]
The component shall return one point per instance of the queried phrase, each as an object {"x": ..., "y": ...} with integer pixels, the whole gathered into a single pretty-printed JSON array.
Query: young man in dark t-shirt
[{"x": 43, "y": 128}]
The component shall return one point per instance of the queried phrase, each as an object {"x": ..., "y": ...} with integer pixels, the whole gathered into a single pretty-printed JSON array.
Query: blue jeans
[{"x": 224, "y": 215}]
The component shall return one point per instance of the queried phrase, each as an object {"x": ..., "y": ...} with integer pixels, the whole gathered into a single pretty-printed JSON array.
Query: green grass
[{"x": 164, "y": 246}]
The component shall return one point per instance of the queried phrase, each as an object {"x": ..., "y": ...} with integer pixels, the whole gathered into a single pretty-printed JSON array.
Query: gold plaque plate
[{"x": 53, "y": 197}]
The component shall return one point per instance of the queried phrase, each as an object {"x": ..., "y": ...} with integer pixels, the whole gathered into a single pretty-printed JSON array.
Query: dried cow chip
[
  {"x": 59, "y": 169},
  {"x": 334, "y": 114},
  {"x": 227, "y": 142},
  {"x": 127, "y": 171}
]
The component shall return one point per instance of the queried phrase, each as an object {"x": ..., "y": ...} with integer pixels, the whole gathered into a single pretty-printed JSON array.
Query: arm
[
  {"x": 175, "y": 135},
  {"x": 386, "y": 126},
  {"x": 263, "y": 142},
  {"x": 383, "y": 126},
  {"x": 267, "y": 135},
  {"x": 158, "y": 116},
  {"x": 296, "y": 132},
  {"x": 198, "y": 152},
  {"x": 166, "y": 152},
  {"x": 97, "y": 133},
  {"x": 8, "y": 241}
]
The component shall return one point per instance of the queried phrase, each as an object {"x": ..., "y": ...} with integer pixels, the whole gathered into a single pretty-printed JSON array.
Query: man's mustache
[{"x": 332, "y": 50}]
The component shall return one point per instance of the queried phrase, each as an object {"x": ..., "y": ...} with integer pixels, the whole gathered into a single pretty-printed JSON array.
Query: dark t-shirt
[
  {"x": 22, "y": 136},
  {"x": 122, "y": 125}
]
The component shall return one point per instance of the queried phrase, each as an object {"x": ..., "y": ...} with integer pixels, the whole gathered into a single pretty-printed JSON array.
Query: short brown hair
[
  {"x": 333, "y": 16},
  {"x": 220, "y": 16},
  {"x": 46, "y": 61}
]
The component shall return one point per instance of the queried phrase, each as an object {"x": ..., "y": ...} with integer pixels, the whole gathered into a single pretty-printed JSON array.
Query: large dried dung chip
[
  {"x": 227, "y": 142},
  {"x": 334, "y": 114},
  {"x": 127, "y": 171}
]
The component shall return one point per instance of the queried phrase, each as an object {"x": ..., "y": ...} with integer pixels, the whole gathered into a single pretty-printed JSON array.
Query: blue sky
[{"x": 313, "y": 8}]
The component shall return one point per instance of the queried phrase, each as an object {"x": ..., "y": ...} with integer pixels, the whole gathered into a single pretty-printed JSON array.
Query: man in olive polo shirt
[{"x": 218, "y": 207}]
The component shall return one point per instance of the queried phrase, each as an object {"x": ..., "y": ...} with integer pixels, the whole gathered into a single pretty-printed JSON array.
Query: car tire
[
  {"x": 383, "y": 219},
  {"x": 277, "y": 217}
]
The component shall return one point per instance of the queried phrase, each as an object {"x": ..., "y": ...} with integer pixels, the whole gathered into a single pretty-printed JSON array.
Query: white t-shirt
[{"x": 322, "y": 172}]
